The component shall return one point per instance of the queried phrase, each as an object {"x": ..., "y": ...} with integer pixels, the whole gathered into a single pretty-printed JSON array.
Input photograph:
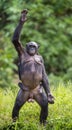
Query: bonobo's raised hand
[{"x": 23, "y": 15}]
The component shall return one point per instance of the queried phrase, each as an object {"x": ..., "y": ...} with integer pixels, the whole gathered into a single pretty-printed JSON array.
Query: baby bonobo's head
[{"x": 32, "y": 48}]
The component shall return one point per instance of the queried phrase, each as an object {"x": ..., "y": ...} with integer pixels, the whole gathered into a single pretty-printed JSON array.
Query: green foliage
[
  {"x": 6, "y": 63},
  {"x": 60, "y": 114},
  {"x": 49, "y": 24}
]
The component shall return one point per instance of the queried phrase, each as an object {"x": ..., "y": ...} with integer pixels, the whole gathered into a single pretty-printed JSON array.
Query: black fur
[{"x": 23, "y": 95}]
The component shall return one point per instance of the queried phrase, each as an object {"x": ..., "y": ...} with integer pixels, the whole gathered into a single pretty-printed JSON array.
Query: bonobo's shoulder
[
  {"x": 40, "y": 57},
  {"x": 37, "y": 55}
]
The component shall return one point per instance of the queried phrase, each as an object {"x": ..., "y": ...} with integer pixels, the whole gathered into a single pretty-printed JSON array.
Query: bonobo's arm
[
  {"x": 45, "y": 84},
  {"x": 45, "y": 81},
  {"x": 17, "y": 32}
]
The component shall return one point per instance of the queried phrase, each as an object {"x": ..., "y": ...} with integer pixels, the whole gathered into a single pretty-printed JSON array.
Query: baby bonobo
[{"x": 32, "y": 75}]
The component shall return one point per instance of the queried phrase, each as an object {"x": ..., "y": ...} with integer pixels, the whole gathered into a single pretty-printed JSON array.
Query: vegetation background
[{"x": 50, "y": 25}]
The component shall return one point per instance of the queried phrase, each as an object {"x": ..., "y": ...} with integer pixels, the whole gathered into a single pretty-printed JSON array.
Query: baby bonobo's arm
[{"x": 17, "y": 32}]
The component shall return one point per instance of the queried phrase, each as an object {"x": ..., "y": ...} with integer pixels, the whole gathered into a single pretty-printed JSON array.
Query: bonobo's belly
[{"x": 31, "y": 74}]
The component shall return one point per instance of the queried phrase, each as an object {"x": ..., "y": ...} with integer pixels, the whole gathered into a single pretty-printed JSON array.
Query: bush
[{"x": 49, "y": 24}]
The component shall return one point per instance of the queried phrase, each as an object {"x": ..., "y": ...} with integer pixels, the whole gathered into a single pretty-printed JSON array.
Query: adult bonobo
[{"x": 32, "y": 75}]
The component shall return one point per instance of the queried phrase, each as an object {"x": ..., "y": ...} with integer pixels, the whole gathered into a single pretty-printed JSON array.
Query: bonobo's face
[{"x": 32, "y": 48}]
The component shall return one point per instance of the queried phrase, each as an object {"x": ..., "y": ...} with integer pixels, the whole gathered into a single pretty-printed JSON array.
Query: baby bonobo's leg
[
  {"x": 30, "y": 99},
  {"x": 24, "y": 88}
]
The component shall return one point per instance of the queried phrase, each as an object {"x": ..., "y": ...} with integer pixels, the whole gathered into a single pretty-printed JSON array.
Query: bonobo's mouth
[{"x": 32, "y": 51}]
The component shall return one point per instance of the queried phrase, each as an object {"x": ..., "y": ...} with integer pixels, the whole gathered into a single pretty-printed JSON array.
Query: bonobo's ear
[
  {"x": 26, "y": 45},
  {"x": 38, "y": 46}
]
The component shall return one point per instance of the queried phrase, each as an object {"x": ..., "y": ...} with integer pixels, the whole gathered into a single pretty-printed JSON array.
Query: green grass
[{"x": 60, "y": 114}]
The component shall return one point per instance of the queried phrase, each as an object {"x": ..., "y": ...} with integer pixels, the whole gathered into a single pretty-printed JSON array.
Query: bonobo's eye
[{"x": 32, "y": 46}]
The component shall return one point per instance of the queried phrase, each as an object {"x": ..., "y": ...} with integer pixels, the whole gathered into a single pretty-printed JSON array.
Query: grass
[{"x": 60, "y": 114}]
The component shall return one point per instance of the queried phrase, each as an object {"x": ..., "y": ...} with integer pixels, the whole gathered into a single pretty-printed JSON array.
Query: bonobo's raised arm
[{"x": 16, "y": 35}]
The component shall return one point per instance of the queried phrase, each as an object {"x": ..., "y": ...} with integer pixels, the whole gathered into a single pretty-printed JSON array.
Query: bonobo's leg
[
  {"x": 22, "y": 97},
  {"x": 42, "y": 100}
]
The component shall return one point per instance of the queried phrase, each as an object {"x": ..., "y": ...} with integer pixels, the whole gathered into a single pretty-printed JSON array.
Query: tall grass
[{"x": 60, "y": 114}]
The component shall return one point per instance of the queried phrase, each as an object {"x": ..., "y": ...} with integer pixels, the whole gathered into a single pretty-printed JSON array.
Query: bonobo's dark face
[{"x": 32, "y": 50}]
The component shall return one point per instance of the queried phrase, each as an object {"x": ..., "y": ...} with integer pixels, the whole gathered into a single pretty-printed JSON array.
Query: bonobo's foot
[
  {"x": 50, "y": 98},
  {"x": 44, "y": 123},
  {"x": 15, "y": 119}
]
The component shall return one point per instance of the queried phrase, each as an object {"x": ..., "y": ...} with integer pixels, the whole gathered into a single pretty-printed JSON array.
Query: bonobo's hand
[
  {"x": 50, "y": 98},
  {"x": 23, "y": 15}
]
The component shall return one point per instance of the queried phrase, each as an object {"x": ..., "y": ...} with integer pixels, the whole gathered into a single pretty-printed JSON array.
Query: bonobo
[{"x": 34, "y": 83}]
